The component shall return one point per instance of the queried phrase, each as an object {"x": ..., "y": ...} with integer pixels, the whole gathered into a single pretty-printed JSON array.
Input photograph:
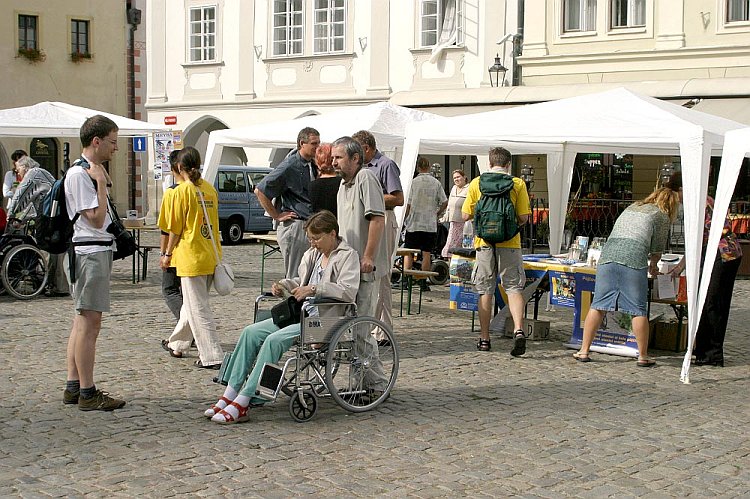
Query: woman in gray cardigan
[
  {"x": 639, "y": 236},
  {"x": 329, "y": 269}
]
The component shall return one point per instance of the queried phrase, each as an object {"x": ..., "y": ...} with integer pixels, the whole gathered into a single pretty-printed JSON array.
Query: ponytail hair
[{"x": 189, "y": 161}]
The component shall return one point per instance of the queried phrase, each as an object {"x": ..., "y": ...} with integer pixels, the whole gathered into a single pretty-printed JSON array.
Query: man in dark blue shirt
[{"x": 289, "y": 183}]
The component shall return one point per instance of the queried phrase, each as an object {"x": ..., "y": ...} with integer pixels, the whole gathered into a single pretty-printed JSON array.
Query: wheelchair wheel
[
  {"x": 443, "y": 270},
  {"x": 24, "y": 271},
  {"x": 303, "y": 410},
  {"x": 311, "y": 374},
  {"x": 354, "y": 362}
]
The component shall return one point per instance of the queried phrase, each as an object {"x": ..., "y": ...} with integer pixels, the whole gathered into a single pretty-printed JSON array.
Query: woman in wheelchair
[{"x": 329, "y": 269}]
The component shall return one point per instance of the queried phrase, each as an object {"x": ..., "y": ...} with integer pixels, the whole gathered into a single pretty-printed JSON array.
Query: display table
[{"x": 570, "y": 286}]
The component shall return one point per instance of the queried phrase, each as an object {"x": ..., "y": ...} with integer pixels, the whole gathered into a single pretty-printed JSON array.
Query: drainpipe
[
  {"x": 134, "y": 19},
  {"x": 518, "y": 45}
]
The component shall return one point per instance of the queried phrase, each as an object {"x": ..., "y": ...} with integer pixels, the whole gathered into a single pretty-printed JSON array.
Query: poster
[
  {"x": 562, "y": 288},
  {"x": 163, "y": 147},
  {"x": 614, "y": 335}
]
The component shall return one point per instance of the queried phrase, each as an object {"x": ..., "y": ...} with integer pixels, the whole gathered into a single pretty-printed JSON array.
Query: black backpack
[
  {"x": 53, "y": 230},
  {"x": 495, "y": 218}
]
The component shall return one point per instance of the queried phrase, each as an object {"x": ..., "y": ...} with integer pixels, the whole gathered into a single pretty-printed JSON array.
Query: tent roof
[
  {"x": 387, "y": 122},
  {"x": 614, "y": 121},
  {"x": 59, "y": 119}
]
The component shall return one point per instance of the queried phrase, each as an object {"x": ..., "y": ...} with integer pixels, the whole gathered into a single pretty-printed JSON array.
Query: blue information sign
[{"x": 139, "y": 144}]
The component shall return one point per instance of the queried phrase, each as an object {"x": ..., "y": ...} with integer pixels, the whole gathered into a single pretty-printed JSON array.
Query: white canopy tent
[
  {"x": 736, "y": 147},
  {"x": 616, "y": 121},
  {"x": 58, "y": 119},
  {"x": 387, "y": 122}
]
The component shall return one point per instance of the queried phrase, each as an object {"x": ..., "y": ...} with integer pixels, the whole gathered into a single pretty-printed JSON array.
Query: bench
[
  {"x": 412, "y": 277},
  {"x": 144, "y": 250}
]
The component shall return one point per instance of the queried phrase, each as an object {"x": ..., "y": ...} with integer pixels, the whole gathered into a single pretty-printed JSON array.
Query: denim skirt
[{"x": 621, "y": 288}]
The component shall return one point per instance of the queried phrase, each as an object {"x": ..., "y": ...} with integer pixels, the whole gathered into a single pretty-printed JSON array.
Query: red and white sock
[
  {"x": 229, "y": 395},
  {"x": 241, "y": 400}
]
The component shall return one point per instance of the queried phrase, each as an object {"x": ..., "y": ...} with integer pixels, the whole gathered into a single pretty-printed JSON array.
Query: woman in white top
[{"x": 453, "y": 213}]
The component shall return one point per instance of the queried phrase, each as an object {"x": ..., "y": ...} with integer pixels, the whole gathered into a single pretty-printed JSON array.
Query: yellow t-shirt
[
  {"x": 166, "y": 202},
  {"x": 194, "y": 254},
  {"x": 518, "y": 196}
]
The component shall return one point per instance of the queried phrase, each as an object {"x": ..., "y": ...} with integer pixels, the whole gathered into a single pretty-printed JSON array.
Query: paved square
[{"x": 459, "y": 422}]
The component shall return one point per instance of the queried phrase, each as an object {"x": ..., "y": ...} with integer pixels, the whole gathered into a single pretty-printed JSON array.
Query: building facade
[
  {"x": 74, "y": 52},
  {"x": 217, "y": 64}
]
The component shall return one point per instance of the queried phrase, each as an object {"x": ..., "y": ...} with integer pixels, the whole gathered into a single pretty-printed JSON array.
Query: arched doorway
[
  {"x": 196, "y": 135},
  {"x": 45, "y": 152}
]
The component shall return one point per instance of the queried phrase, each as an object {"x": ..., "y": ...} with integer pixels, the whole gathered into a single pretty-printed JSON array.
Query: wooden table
[
  {"x": 270, "y": 246},
  {"x": 398, "y": 266}
]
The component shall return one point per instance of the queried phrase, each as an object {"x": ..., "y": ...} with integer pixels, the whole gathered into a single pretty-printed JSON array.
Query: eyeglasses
[
  {"x": 315, "y": 239},
  {"x": 112, "y": 142}
]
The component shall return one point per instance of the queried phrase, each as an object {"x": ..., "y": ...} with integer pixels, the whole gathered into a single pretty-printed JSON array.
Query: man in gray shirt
[
  {"x": 388, "y": 174},
  {"x": 361, "y": 221},
  {"x": 290, "y": 184}
]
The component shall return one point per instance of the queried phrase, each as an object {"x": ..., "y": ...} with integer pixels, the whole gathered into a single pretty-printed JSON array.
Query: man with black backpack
[
  {"x": 499, "y": 205},
  {"x": 86, "y": 188}
]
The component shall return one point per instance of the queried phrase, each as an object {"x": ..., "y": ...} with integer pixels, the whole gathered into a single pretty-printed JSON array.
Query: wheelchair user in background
[{"x": 329, "y": 270}]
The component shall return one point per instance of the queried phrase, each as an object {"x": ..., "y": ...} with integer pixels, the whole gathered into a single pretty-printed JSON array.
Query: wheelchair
[
  {"x": 23, "y": 266},
  {"x": 330, "y": 359}
]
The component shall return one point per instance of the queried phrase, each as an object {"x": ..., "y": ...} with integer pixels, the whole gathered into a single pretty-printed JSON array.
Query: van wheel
[{"x": 233, "y": 231}]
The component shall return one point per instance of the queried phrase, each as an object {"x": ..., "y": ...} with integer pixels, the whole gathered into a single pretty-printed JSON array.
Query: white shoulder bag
[{"x": 223, "y": 274}]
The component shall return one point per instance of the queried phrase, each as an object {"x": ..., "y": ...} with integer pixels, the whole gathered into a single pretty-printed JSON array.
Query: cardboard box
[
  {"x": 664, "y": 336},
  {"x": 535, "y": 330}
]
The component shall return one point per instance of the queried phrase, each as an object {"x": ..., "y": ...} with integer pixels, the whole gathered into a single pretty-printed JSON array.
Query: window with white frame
[
  {"x": 579, "y": 15},
  {"x": 329, "y": 26},
  {"x": 440, "y": 23},
  {"x": 287, "y": 27},
  {"x": 628, "y": 13},
  {"x": 202, "y": 34},
  {"x": 738, "y": 10}
]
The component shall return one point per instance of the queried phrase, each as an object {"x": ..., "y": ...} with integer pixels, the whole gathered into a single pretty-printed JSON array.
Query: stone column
[
  {"x": 156, "y": 45},
  {"x": 378, "y": 46},
  {"x": 535, "y": 29},
  {"x": 246, "y": 57},
  {"x": 670, "y": 32}
]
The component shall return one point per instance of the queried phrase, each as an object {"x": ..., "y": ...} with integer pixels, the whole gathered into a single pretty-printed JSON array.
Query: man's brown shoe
[
  {"x": 70, "y": 398},
  {"x": 100, "y": 402}
]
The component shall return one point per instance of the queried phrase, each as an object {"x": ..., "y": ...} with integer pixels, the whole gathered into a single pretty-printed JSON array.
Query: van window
[
  {"x": 232, "y": 182},
  {"x": 255, "y": 178}
]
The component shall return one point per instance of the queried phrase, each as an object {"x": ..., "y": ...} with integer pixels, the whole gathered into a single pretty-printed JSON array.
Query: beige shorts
[
  {"x": 505, "y": 262},
  {"x": 91, "y": 289}
]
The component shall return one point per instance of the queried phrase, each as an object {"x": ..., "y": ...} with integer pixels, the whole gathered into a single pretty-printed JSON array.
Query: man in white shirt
[
  {"x": 11, "y": 180},
  {"x": 86, "y": 191},
  {"x": 427, "y": 201}
]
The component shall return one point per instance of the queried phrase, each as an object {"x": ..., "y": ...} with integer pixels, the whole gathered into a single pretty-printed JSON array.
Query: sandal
[
  {"x": 484, "y": 345},
  {"x": 229, "y": 419},
  {"x": 646, "y": 362},
  {"x": 172, "y": 353},
  {"x": 582, "y": 357},
  {"x": 209, "y": 413}
]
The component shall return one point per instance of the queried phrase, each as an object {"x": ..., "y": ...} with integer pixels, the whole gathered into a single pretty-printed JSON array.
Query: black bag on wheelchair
[{"x": 287, "y": 312}]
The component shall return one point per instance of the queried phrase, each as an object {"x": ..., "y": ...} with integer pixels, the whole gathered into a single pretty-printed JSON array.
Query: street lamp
[{"x": 496, "y": 69}]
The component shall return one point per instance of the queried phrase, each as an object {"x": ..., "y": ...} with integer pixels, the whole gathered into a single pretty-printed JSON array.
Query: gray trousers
[
  {"x": 364, "y": 344},
  {"x": 383, "y": 311},
  {"x": 171, "y": 290},
  {"x": 293, "y": 243}
]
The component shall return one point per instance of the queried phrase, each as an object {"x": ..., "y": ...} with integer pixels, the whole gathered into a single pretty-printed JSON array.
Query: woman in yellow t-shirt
[{"x": 190, "y": 250}]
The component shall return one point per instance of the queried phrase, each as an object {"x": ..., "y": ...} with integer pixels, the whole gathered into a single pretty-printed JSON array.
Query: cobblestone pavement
[{"x": 459, "y": 422}]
